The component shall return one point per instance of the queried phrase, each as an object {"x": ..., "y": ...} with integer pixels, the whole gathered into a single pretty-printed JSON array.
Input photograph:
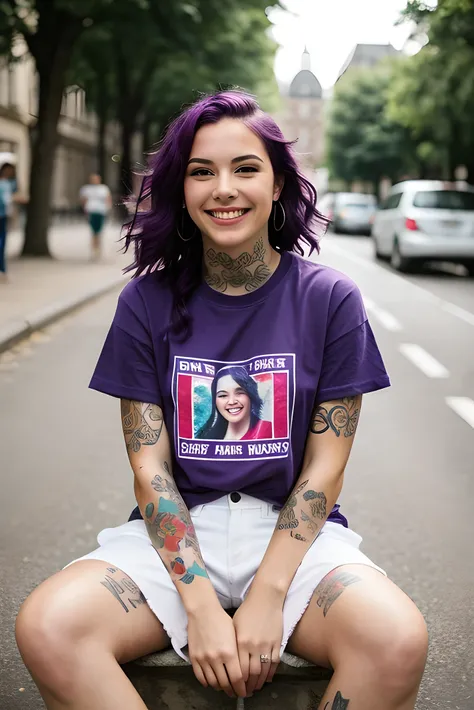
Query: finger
[
  {"x": 244, "y": 659},
  {"x": 265, "y": 669},
  {"x": 198, "y": 672},
  {"x": 210, "y": 676},
  {"x": 234, "y": 672},
  {"x": 274, "y": 665},
  {"x": 254, "y": 675},
  {"x": 223, "y": 678}
]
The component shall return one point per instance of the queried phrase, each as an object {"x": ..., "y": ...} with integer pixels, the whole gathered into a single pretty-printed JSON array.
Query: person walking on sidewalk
[
  {"x": 8, "y": 189},
  {"x": 96, "y": 201},
  {"x": 225, "y": 318}
]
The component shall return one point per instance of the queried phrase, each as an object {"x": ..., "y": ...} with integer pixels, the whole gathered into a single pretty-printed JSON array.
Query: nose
[{"x": 224, "y": 189}]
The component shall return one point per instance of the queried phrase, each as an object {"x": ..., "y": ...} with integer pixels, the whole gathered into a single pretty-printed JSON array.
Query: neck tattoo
[{"x": 247, "y": 271}]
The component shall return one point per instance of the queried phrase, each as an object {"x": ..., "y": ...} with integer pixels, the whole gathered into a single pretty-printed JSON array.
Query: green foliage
[
  {"x": 364, "y": 143},
  {"x": 432, "y": 93}
]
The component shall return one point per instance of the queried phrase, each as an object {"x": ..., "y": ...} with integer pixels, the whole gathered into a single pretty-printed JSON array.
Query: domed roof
[{"x": 305, "y": 85}]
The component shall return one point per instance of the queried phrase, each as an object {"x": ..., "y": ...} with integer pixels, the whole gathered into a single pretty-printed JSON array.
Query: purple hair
[{"x": 159, "y": 207}]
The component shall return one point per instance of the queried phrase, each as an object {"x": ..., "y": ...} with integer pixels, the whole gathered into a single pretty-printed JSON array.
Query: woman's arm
[
  {"x": 330, "y": 439},
  {"x": 164, "y": 511}
]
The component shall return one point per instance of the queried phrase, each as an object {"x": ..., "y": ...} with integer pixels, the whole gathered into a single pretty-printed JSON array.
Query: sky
[{"x": 330, "y": 29}]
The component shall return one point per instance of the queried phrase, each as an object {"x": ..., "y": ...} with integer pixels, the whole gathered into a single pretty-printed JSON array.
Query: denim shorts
[{"x": 233, "y": 536}]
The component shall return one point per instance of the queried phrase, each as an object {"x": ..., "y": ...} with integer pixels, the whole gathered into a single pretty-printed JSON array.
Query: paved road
[{"x": 409, "y": 485}]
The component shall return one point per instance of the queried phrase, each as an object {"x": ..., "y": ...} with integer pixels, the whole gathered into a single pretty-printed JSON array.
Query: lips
[
  {"x": 234, "y": 410},
  {"x": 228, "y": 217}
]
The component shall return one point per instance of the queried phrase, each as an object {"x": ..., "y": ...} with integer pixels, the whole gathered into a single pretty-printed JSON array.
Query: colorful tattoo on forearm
[
  {"x": 332, "y": 586},
  {"x": 172, "y": 529},
  {"x": 342, "y": 417},
  {"x": 339, "y": 703},
  {"x": 287, "y": 519}
]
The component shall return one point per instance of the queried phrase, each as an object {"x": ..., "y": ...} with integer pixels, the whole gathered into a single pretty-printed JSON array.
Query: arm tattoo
[
  {"x": 332, "y": 586},
  {"x": 287, "y": 519},
  {"x": 342, "y": 417},
  {"x": 227, "y": 271},
  {"x": 171, "y": 529},
  {"x": 142, "y": 424},
  {"x": 339, "y": 703}
]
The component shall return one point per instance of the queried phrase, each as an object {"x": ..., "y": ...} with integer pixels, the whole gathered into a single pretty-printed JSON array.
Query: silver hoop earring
[
  {"x": 182, "y": 227},
  {"x": 278, "y": 229}
]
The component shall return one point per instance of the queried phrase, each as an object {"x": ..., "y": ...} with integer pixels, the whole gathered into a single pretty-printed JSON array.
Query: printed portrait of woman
[{"x": 236, "y": 408}]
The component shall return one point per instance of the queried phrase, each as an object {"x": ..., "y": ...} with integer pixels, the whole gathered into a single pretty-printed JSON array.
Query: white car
[{"x": 425, "y": 220}]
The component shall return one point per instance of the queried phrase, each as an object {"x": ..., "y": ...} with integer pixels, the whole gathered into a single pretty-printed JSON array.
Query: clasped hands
[{"x": 226, "y": 653}]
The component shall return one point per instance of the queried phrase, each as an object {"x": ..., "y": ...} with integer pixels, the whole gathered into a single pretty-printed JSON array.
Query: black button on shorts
[{"x": 235, "y": 497}]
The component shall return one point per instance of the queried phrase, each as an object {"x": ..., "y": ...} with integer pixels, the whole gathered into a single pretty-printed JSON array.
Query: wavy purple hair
[{"x": 159, "y": 207}]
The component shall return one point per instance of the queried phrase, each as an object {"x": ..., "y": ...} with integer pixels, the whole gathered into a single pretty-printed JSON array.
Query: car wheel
[
  {"x": 398, "y": 261},
  {"x": 469, "y": 265}
]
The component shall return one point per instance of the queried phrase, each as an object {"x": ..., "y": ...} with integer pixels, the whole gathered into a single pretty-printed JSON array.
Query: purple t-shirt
[{"x": 301, "y": 338}]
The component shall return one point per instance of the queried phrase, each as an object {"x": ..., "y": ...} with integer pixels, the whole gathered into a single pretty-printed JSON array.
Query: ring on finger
[{"x": 264, "y": 658}]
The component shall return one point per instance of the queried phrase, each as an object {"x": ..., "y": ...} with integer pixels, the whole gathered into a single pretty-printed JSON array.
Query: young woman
[
  {"x": 236, "y": 408},
  {"x": 221, "y": 525}
]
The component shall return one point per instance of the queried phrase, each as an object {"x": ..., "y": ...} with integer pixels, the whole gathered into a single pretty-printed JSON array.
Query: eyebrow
[{"x": 239, "y": 159}]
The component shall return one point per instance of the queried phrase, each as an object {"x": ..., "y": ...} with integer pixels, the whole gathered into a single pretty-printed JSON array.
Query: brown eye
[
  {"x": 202, "y": 172},
  {"x": 247, "y": 169}
]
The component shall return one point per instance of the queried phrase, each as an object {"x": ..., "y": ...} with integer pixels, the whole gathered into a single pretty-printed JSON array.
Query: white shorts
[{"x": 233, "y": 537}]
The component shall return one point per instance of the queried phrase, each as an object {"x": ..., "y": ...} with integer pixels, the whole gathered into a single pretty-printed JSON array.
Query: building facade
[{"x": 302, "y": 116}]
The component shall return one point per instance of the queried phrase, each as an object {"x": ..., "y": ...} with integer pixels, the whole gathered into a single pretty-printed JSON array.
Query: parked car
[
  {"x": 350, "y": 212},
  {"x": 425, "y": 220}
]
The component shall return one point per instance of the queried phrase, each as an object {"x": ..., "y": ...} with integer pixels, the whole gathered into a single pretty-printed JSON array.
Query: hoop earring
[
  {"x": 182, "y": 227},
  {"x": 278, "y": 229}
]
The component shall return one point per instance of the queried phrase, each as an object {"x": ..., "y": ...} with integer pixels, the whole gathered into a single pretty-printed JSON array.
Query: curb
[{"x": 16, "y": 331}]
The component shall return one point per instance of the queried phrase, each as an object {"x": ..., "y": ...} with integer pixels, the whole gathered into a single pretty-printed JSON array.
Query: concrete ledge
[
  {"x": 166, "y": 682},
  {"x": 12, "y": 333}
]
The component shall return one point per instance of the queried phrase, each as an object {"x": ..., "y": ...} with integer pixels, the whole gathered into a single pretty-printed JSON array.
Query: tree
[
  {"x": 363, "y": 142},
  {"x": 50, "y": 29},
  {"x": 433, "y": 92},
  {"x": 143, "y": 30},
  {"x": 150, "y": 75}
]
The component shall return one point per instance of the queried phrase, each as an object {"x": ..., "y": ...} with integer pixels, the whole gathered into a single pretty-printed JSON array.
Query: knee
[
  {"x": 398, "y": 655},
  {"x": 47, "y": 636}
]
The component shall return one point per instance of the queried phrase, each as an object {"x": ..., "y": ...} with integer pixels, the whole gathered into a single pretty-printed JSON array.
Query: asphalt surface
[{"x": 409, "y": 486}]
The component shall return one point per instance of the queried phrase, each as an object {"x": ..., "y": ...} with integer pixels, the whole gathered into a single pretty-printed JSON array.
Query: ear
[{"x": 278, "y": 187}]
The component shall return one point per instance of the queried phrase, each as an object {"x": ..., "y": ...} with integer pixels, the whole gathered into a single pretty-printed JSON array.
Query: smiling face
[
  {"x": 229, "y": 185},
  {"x": 232, "y": 401}
]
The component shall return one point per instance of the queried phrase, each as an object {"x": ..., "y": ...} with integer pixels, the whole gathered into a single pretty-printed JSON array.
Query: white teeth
[
  {"x": 234, "y": 411},
  {"x": 228, "y": 215}
]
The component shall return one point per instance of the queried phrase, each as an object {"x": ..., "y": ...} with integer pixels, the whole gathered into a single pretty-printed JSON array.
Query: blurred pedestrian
[
  {"x": 8, "y": 189},
  {"x": 96, "y": 201}
]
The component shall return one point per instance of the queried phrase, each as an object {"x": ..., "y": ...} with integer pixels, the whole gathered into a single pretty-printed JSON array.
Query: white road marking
[
  {"x": 458, "y": 311},
  {"x": 446, "y": 306},
  {"x": 386, "y": 319},
  {"x": 464, "y": 407},
  {"x": 423, "y": 360}
]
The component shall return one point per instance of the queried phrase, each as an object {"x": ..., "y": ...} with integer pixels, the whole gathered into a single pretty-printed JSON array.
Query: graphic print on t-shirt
[{"x": 233, "y": 411}]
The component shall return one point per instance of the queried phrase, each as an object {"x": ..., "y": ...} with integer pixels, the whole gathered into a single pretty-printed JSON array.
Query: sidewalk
[{"x": 41, "y": 290}]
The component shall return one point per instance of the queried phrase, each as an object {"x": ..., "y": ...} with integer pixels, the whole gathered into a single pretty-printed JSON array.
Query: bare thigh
[
  {"x": 355, "y": 609},
  {"x": 88, "y": 601}
]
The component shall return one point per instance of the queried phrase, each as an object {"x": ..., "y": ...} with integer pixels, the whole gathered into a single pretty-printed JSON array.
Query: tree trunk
[
  {"x": 103, "y": 114},
  {"x": 52, "y": 65},
  {"x": 125, "y": 180}
]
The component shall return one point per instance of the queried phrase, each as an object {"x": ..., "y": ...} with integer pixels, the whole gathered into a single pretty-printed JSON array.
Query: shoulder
[
  {"x": 320, "y": 280},
  {"x": 146, "y": 293}
]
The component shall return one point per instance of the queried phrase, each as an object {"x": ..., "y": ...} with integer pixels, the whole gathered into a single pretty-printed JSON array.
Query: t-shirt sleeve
[
  {"x": 127, "y": 367},
  {"x": 352, "y": 363}
]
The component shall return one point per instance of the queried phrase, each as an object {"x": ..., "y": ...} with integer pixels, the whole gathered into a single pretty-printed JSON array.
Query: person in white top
[{"x": 96, "y": 200}]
